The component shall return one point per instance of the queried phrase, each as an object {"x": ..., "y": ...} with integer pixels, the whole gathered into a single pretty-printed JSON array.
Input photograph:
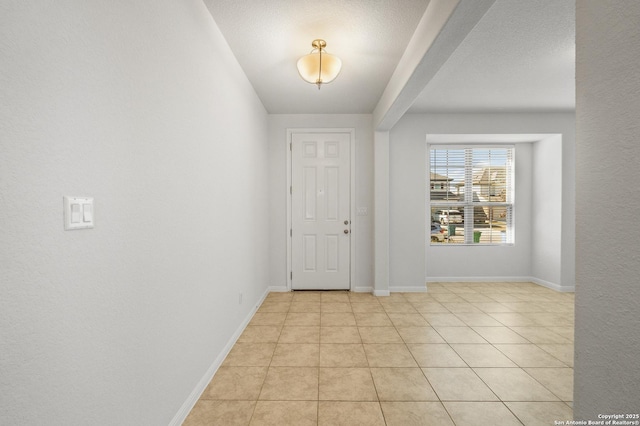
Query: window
[{"x": 471, "y": 194}]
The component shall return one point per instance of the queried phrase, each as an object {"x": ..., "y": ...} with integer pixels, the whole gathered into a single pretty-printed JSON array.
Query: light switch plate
[{"x": 78, "y": 213}]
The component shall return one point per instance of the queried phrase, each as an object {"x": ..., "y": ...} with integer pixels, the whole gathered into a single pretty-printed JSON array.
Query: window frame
[{"x": 468, "y": 205}]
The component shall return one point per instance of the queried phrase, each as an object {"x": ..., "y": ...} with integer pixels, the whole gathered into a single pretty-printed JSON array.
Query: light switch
[
  {"x": 87, "y": 214},
  {"x": 78, "y": 213},
  {"x": 75, "y": 213}
]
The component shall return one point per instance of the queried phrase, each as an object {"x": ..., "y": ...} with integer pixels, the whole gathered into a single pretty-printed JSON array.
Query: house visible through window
[{"x": 471, "y": 194}]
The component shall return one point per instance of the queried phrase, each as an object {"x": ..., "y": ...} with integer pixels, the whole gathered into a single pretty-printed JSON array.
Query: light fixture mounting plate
[{"x": 318, "y": 44}]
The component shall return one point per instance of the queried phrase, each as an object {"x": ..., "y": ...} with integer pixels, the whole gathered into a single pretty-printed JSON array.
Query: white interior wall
[
  {"x": 607, "y": 340},
  {"x": 568, "y": 260},
  {"x": 381, "y": 213},
  {"x": 278, "y": 125},
  {"x": 546, "y": 217},
  {"x": 142, "y": 106},
  {"x": 410, "y": 257}
]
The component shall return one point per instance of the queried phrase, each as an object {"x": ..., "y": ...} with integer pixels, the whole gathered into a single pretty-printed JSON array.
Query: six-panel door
[{"x": 320, "y": 211}]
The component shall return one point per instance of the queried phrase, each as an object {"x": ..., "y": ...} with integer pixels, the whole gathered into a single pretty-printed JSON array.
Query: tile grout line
[{"x": 375, "y": 388}]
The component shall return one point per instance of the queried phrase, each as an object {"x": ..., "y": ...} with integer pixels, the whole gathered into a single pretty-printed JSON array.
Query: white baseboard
[
  {"x": 188, "y": 405},
  {"x": 548, "y": 284},
  {"x": 476, "y": 279},
  {"x": 408, "y": 289},
  {"x": 277, "y": 289},
  {"x": 381, "y": 292},
  {"x": 553, "y": 286},
  {"x": 281, "y": 289}
]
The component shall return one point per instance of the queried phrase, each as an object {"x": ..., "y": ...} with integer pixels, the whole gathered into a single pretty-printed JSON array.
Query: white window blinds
[{"x": 471, "y": 193}]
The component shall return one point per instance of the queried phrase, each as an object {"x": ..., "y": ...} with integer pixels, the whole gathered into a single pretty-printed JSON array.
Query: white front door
[{"x": 320, "y": 211}]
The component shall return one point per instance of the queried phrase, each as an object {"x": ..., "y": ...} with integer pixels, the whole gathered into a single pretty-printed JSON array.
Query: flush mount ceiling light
[{"x": 318, "y": 67}]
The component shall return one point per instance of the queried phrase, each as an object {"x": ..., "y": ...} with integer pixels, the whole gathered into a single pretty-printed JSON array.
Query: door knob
[{"x": 346, "y": 231}]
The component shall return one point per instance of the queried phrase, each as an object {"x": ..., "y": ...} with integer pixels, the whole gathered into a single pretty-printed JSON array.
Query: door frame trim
[{"x": 352, "y": 196}]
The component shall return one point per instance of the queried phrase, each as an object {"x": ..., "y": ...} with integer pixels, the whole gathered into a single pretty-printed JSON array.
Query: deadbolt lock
[{"x": 346, "y": 222}]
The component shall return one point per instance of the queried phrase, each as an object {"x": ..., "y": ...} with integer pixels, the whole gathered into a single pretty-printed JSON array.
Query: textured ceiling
[
  {"x": 519, "y": 57},
  {"x": 268, "y": 37}
]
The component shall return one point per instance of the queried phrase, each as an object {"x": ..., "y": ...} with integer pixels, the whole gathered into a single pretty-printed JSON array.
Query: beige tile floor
[{"x": 460, "y": 354}]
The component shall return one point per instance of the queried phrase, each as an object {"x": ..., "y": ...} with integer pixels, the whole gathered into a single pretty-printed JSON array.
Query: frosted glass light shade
[{"x": 309, "y": 67}]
